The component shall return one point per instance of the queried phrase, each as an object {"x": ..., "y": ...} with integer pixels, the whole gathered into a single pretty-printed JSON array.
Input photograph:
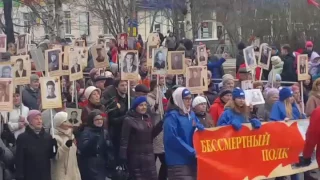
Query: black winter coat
[
  {"x": 95, "y": 154},
  {"x": 33, "y": 155},
  {"x": 136, "y": 146},
  {"x": 239, "y": 60},
  {"x": 30, "y": 98},
  {"x": 289, "y": 73}
]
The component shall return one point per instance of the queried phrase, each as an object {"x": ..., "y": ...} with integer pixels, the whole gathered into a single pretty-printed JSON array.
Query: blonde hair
[
  {"x": 244, "y": 110},
  {"x": 288, "y": 107},
  {"x": 315, "y": 90}
]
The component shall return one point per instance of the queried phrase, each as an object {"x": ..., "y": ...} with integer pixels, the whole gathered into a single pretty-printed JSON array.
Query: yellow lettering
[
  {"x": 274, "y": 154},
  {"x": 266, "y": 139},
  {"x": 203, "y": 146}
]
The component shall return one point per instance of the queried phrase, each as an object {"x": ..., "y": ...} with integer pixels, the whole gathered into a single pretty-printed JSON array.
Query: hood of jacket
[
  {"x": 279, "y": 65},
  {"x": 219, "y": 102}
]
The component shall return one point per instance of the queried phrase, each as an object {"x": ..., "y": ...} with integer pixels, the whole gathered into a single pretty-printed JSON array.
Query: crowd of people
[{"x": 124, "y": 131}]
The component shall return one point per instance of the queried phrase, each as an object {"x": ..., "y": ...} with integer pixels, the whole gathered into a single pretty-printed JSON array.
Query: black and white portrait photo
[
  {"x": 202, "y": 55},
  {"x": 74, "y": 116},
  {"x": 50, "y": 92},
  {"x": 253, "y": 97},
  {"x": 160, "y": 60},
  {"x": 53, "y": 60},
  {"x": 264, "y": 56},
  {"x": 3, "y": 43},
  {"x": 130, "y": 63},
  {"x": 195, "y": 77},
  {"x": 302, "y": 67},
  {"x": 180, "y": 80},
  {"x": 6, "y": 94},
  {"x": 176, "y": 61},
  {"x": 249, "y": 57},
  {"x": 99, "y": 56},
  {"x": 75, "y": 67},
  {"x": 20, "y": 72},
  {"x": 22, "y": 41},
  {"x": 21, "y": 69},
  {"x": 6, "y": 71},
  {"x": 149, "y": 54}
]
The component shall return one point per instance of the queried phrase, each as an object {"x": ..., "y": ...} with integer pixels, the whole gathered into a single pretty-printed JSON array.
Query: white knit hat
[
  {"x": 59, "y": 118},
  {"x": 227, "y": 77},
  {"x": 198, "y": 100},
  {"x": 275, "y": 60},
  {"x": 89, "y": 91}
]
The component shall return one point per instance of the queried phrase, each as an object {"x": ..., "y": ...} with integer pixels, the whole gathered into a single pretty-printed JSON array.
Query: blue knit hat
[
  {"x": 185, "y": 93},
  {"x": 238, "y": 93},
  {"x": 285, "y": 93},
  {"x": 138, "y": 101}
]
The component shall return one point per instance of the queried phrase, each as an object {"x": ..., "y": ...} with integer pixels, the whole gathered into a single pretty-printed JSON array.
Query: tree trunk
[
  {"x": 188, "y": 21},
  {"x": 59, "y": 16},
  {"x": 51, "y": 21},
  {"x": 7, "y": 9},
  {"x": 153, "y": 20}
]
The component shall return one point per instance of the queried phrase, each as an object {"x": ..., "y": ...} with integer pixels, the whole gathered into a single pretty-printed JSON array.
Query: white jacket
[
  {"x": 14, "y": 117},
  {"x": 65, "y": 164}
]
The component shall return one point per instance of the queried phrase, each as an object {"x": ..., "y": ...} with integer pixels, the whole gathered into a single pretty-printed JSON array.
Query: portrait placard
[
  {"x": 202, "y": 55},
  {"x": 264, "y": 56},
  {"x": 80, "y": 43},
  {"x": 122, "y": 41},
  {"x": 101, "y": 41},
  {"x": 153, "y": 39},
  {"x": 303, "y": 69},
  {"x": 38, "y": 58},
  {"x": 129, "y": 65},
  {"x": 83, "y": 53},
  {"x": 6, "y": 94},
  {"x": 3, "y": 43},
  {"x": 254, "y": 97},
  {"x": 247, "y": 84},
  {"x": 250, "y": 58},
  {"x": 31, "y": 47},
  {"x": 66, "y": 51},
  {"x": 176, "y": 62},
  {"x": 50, "y": 92},
  {"x": 75, "y": 67},
  {"x": 197, "y": 79},
  {"x": 53, "y": 62},
  {"x": 6, "y": 71},
  {"x": 21, "y": 69},
  {"x": 159, "y": 61},
  {"x": 149, "y": 54},
  {"x": 74, "y": 116},
  {"x": 100, "y": 57},
  {"x": 181, "y": 80},
  {"x": 22, "y": 43}
]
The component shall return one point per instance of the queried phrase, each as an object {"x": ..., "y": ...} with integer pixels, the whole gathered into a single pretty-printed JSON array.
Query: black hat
[
  {"x": 141, "y": 88},
  {"x": 100, "y": 78},
  {"x": 241, "y": 46},
  {"x": 225, "y": 92}
]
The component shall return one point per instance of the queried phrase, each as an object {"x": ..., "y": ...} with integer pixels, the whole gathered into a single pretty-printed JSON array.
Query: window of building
[
  {"x": 84, "y": 23},
  {"x": 67, "y": 22},
  {"x": 208, "y": 30},
  {"x": 157, "y": 28},
  {"x": 26, "y": 22}
]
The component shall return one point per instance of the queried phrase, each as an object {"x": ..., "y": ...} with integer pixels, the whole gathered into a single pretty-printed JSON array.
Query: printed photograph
[
  {"x": 75, "y": 68},
  {"x": 22, "y": 43},
  {"x": 202, "y": 55},
  {"x": 100, "y": 57},
  {"x": 50, "y": 92},
  {"x": 6, "y": 94},
  {"x": 79, "y": 43},
  {"x": 74, "y": 116},
  {"x": 53, "y": 62},
  {"x": 129, "y": 65},
  {"x": 196, "y": 79},
  {"x": 38, "y": 59},
  {"x": 149, "y": 54},
  {"x": 159, "y": 61},
  {"x": 101, "y": 41},
  {"x": 21, "y": 69},
  {"x": 303, "y": 68},
  {"x": 264, "y": 56},
  {"x": 83, "y": 53},
  {"x": 176, "y": 62},
  {"x": 122, "y": 41},
  {"x": 3, "y": 43},
  {"x": 249, "y": 57},
  {"x": 180, "y": 80},
  {"x": 254, "y": 97},
  {"x": 6, "y": 71},
  {"x": 153, "y": 39},
  {"x": 247, "y": 84}
]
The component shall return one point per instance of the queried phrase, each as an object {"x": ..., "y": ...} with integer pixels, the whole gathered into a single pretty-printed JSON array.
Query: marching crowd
[{"x": 124, "y": 131}]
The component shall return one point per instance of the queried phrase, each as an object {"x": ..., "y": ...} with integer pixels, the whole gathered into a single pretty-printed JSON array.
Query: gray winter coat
[
  {"x": 6, "y": 160},
  {"x": 30, "y": 98}
]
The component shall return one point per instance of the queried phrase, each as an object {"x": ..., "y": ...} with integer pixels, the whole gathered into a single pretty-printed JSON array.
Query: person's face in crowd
[
  {"x": 296, "y": 95},
  {"x": 208, "y": 52},
  {"x": 274, "y": 52},
  {"x": 188, "y": 62},
  {"x": 170, "y": 34},
  {"x": 229, "y": 84},
  {"x": 94, "y": 97},
  {"x": 35, "y": 84},
  {"x": 100, "y": 84},
  {"x": 169, "y": 78},
  {"x": 187, "y": 101},
  {"x": 144, "y": 67},
  {"x": 161, "y": 81},
  {"x": 133, "y": 84},
  {"x": 19, "y": 65},
  {"x": 74, "y": 115},
  {"x": 71, "y": 90},
  {"x": 274, "y": 98},
  {"x": 245, "y": 76},
  {"x": 201, "y": 107},
  {"x": 123, "y": 87},
  {"x": 309, "y": 48},
  {"x": 291, "y": 99},
  {"x": 36, "y": 122},
  {"x": 129, "y": 59},
  {"x": 98, "y": 121},
  {"x": 308, "y": 81},
  {"x": 284, "y": 51},
  {"x": 259, "y": 87},
  {"x": 240, "y": 102},
  {"x": 16, "y": 99},
  {"x": 278, "y": 83},
  {"x": 50, "y": 90},
  {"x": 226, "y": 98},
  {"x": 65, "y": 126},
  {"x": 180, "y": 80},
  {"x": 194, "y": 73},
  {"x": 6, "y": 73},
  {"x": 122, "y": 40},
  {"x": 2, "y": 90},
  {"x": 142, "y": 108}
]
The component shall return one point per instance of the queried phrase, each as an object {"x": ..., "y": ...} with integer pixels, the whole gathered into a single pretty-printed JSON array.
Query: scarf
[
  {"x": 37, "y": 131},
  {"x": 178, "y": 101}
]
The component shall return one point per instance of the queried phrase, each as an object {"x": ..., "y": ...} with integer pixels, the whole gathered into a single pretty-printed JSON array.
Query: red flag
[{"x": 313, "y": 2}]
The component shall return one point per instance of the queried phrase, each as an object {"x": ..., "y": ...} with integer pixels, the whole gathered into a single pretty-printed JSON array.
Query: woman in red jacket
[{"x": 217, "y": 107}]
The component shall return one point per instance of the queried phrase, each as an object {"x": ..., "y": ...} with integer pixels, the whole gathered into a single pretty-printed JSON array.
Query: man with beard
[{"x": 115, "y": 99}]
